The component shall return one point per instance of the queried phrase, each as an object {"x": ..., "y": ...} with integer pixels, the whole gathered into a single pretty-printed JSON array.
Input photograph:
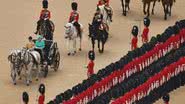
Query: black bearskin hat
[
  {"x": 176, "y": 29},
  {"x": 30, "y": 38},
  {"x": 45, "y": 4},
  {"x": 166, "y": 98},
  {"x": 135, "y": 30},
  {"x": 51, "y": 102},
  {"x": 91, "y": 55},
  {"x": 146, "y": 22},
  {"x": 74, "y": 6},
  {"x": 25, "y": 97},
  {"x": 42, "y": 88}
]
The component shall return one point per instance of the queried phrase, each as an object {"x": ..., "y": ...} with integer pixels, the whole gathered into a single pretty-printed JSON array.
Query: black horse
[
  {"x": 97, "y": 34},
  {"x": 46, "y": 28},
  {"x": 125, "y": 6},
  {"x": 167, "y": 5}
]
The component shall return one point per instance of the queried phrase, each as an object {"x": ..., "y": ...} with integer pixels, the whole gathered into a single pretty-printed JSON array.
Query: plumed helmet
[
  {"x": 42, "y": 88},
  {"x": 146, "y": 21},
  {"x": 91, "y": 55},
  {"x": 25, "y": 97},
  {"x": 45, "y": 4},
  {"x": 74, "y": 6},
  {"x": 135, "y": 30}
]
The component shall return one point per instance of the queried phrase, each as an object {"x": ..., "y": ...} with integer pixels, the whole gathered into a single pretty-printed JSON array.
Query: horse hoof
[
  {"x": 74, "y": 52},
  {"x": 80, "y": 49},
  {"x": 28, "y": 84},
  {"x": 37, "y": 79},
  {"x": 14, "y": 83},
  {"x": 69, "y": 54},
  {"x": 20, "y": 78}
]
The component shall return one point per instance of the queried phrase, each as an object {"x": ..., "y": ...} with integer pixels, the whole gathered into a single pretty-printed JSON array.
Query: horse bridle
[
  {"x": 16, "y": 62},
  {"x": 24, "y": 55}
]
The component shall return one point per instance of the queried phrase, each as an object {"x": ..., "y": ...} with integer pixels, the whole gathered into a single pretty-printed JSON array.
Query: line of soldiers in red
[
  {"x": 154, "y": 82},
  {"x": 135, "y": 66}
]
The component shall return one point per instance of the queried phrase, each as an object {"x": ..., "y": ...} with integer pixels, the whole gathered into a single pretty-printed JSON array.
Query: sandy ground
[{"x": 18, "y": 21}]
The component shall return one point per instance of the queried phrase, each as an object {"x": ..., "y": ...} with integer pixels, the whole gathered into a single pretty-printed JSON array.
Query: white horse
[
  {"x": 15, "y": 64},
  {"x": 72, "y": 36},
  {"x": 107, "y": 13},
  {"x": 31, "y": 60}
]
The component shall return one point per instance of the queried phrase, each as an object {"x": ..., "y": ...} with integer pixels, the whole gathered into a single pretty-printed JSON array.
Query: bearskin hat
[
  {"x": 166, "y": 98},
  {"x": 74, "y": 6},
  {"x": 45, "y": 4},
  {"x": 25, "y": 97},
  {"x": 30, "y": 38},
  {"x": 42, "y": 88},
  {"x": 135, "y": 30},
  {"x": 68, "y": 94},
  {"x": 176, "y": 29},
  {"x": 146, "y": 21},
  {"x": 91, "y": 55},
  {"x": 51, "y": 102},
  {"x": 59, "y": 99}
]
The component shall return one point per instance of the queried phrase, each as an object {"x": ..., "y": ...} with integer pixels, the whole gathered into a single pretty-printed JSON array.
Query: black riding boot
[{"x": 77, "y": 25}]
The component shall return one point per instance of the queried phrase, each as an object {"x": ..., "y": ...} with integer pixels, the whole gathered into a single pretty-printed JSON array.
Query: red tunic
[
  {"x": 100, "y": 3},
  {"x": 45, "y": 14},
  {"x": 41, "y": 99},
  {"x": 90, "y": 70},
  {"x": 145, "y": 35},
  {"x": 134, "y": 43},
  {"x": 74, "y": 16}
]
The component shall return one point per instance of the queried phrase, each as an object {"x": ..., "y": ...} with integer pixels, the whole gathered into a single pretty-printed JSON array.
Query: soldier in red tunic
[
  {"x": 134, "y": 38},
  {"x": 90, "y": 66},
  {"x": 45, "y": 14},
  {"x": 146, "y": 30},
  {"x": 42, "y": 94},
  {"x": 25, "y": 97},
  {"x": 74, "y": 16}
]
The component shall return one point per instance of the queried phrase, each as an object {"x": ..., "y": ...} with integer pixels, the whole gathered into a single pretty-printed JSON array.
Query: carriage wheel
[
  {"x": 56, "y": 62},
  {"x": 45, "y": 71}
]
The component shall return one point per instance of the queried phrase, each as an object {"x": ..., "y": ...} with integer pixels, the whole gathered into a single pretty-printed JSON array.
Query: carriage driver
[
  {"x": 39, "y": 46},
  {"x": 74, "y": 16},
  {"x": 44, "y": 15}
]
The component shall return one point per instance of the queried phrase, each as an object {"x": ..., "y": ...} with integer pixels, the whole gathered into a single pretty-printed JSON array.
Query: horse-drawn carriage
[
  {"x": 53, "y": 56},
  {"x": 26, "y": 61}
]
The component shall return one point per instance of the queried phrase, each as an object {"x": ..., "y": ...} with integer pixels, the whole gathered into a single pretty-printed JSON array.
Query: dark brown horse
[
  {"x": 167, "y": 5},
  {"x": 125, "y": 6},
  {"x": 147, "y": 3}
]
